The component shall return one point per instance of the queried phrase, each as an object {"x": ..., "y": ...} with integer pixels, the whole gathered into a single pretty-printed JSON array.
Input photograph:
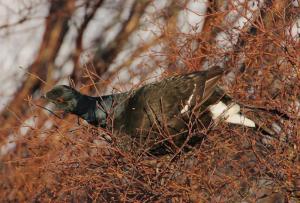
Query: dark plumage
[{"x": 142, "y": 112}]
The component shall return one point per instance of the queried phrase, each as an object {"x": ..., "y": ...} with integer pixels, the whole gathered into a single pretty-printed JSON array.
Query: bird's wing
[
  {"x": 212, "y": 76},
  {"x": 178, "y": 93}
]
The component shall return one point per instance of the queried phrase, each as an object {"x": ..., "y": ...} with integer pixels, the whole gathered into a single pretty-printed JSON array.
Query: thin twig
[{"x": 48, "y": 110}]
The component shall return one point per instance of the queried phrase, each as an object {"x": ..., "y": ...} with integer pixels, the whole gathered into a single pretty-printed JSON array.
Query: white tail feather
[
  {"x": 231, "y": 114},
  {"x": 240, "y": 120}
]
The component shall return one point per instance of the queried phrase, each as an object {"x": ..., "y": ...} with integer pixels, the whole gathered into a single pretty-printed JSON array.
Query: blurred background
[{"x": 109, "y": 46}]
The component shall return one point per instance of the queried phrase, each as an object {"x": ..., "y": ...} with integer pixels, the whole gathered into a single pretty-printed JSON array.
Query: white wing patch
[
  {"x": 188, "y": 104},
  {"x": 230, "y": 113}
]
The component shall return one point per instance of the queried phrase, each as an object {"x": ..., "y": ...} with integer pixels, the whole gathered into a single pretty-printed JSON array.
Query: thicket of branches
[{"x": 61, "y": 160}]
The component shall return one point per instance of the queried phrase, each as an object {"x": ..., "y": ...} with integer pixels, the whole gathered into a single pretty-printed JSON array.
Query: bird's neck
[
  {"x": 103, "y": 109},
  {"x": 94, "y": 109}
]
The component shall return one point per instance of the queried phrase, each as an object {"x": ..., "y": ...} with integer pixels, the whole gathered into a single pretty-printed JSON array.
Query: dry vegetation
[{"x": 72, "y": 161}]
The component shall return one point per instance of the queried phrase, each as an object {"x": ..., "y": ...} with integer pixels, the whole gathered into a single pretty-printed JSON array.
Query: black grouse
[{"x": 166, "y": 105}]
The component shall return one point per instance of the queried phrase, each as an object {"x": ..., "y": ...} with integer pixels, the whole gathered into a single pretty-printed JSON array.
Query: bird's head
[{"x": 64, "y": 97}]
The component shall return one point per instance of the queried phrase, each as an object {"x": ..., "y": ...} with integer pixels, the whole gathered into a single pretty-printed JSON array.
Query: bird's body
[{"x": 147, "y": 111}]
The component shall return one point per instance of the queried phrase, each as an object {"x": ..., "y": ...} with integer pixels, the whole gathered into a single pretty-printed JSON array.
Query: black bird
[{"x": 166, "y": 105}]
